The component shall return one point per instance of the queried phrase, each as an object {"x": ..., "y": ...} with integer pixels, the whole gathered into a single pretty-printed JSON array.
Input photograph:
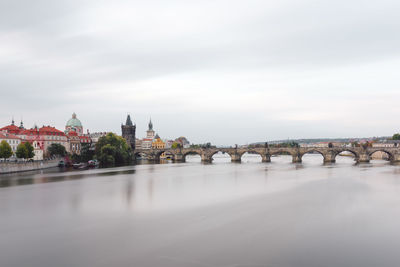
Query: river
[{"x": 193, "y": 215}]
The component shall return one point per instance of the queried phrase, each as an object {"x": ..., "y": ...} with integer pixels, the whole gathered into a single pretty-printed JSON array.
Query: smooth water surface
[{"x": 193, "y": 214}]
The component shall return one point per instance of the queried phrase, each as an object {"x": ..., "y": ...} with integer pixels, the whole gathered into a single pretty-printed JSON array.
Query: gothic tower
[
  {"x": 129, "y": 132},
  {"x": 150, "y": 132}
]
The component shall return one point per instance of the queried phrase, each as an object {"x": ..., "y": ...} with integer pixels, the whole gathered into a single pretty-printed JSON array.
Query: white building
[
  {"x": 37, "y": 150},
  {"x": 146, "y": 143},
  {"x": 150, "y": 134},
  {"x": 11, "y": 139}
]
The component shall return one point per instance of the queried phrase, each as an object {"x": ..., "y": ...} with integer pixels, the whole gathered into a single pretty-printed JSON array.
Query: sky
[{"x": 221, "y": 71}]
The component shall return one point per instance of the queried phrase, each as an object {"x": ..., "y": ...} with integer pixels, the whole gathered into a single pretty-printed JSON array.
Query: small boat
[
  {"x": 93, "y": 163},
  {"x": 83, "y": 166},
  {"x": 77, "y": 165}
]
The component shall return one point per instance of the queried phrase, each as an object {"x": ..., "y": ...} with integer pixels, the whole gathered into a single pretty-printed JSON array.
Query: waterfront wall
[{"x": 10, "y": 167}]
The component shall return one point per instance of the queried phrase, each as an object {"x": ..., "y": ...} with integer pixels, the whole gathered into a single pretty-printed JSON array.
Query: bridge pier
[
  {"x": 363, "y": 158},
  {"x": 395, "y": 159},
  {"x": 179, "y": 157},
  {"x": 329, "y": 157},
  {"x": 296, "y": 158},
  {"x": 266, "y": 158},
  {"x": 206, "y": 158},
  {"x": 236, "y": 157}
]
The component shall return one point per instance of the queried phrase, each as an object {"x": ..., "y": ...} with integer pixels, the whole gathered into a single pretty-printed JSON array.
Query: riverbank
[{"x": 14, "y": 167}]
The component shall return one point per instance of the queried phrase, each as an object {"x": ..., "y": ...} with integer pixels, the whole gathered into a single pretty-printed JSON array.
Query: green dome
[{"x": 74, "y": 122}]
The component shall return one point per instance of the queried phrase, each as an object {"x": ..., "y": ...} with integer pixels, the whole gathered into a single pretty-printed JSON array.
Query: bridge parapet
[{"x": 329, "y": 154}]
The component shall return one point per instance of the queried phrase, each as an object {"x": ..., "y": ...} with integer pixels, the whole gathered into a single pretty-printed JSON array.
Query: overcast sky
[{"x": 224, "y": 71}]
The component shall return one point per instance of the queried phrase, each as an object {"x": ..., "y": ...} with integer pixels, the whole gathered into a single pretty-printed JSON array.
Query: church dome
[{"x": 74, "y": 122}]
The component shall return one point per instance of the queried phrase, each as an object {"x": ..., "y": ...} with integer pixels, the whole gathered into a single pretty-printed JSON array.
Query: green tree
[
  {"x": 5, "y": 150},
  {"x": 30, "y": 150},
  {"x": 87, "y": 153},
  {"x": 175, "y": 145},
  {"x": 112, "y": 149},
  {"x": 22, "y": 151},
  {"x": 107, "y": 155},
  {"x": 57, "y": 150},
  {"x": 396, "y": 136},
  {"x": 76, "y": 158}
]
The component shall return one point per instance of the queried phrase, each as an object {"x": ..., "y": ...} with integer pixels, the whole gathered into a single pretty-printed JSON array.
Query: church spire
[
  {"x": 129, "y": 121},
  {"x": 150, "y": 125},
  {"x": 12, "y": 121}
]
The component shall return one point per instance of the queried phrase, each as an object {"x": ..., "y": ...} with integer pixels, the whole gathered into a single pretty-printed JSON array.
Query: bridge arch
[
  {"x": 140, "y": 155},
  {"x": 158, "y": 153},
  {"x": 251, "y": 152},
  {"x": 192, "y": 153},
  {"x": 285, "y": 151},
  {"x": 389, "y": 154},
  {"x": 353, "y": 152},
  {"x": 211, "y": 154},
  {"x": 281, "y": 151},
  {"x": 314, "y": 151}
]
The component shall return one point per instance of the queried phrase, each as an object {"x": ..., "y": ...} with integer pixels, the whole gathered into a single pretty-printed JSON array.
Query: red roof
[
  {"x": 72, "y": 133},
  {"x": 48, "y": 130},
  {"x": 8, "y": 136},
  {"x": 11, "y": 129},
  {"x": 29, "y": 132}
]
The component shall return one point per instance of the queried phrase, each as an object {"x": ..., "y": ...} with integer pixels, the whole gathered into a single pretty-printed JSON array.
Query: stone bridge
[{"x": 329, "y": 154}]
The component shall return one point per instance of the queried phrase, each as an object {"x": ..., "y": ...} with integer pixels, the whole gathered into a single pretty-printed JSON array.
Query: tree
[
  {"x": 75, "y": 158},
  {"x": 194, "y": 146},
  {"x": 107, "y": 155},
  {"x": 396, "y": 136},
  {"x": 22, "y": 151},
  {"x": 87, "y": 153},
  {"x": 5, "y": 150},
  {"x": 30, "y": 150},
  {"x": 175, "y": 145},
  {"x": 57, "y": 150},
  {"x": 112, "y": 149}
]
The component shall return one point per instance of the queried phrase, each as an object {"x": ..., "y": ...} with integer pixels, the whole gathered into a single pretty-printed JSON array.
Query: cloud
[{"x": 226, "y": 70}]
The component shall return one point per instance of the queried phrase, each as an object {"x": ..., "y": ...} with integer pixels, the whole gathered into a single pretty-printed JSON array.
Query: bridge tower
[{"x": 129, "y": 132}]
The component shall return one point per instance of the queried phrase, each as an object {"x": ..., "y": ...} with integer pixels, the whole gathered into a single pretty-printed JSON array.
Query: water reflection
[
  {"x": 55, "y": 175},
  {"x": 193, "y": 214},
  {"x": 129, "y": 189}
]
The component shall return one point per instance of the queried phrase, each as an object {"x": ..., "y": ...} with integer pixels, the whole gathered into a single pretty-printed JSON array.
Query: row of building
[
  {"x": 72, "y": 138},
  {"x": 151, "y": 141},
  {"x": 154, "y": 141}
]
